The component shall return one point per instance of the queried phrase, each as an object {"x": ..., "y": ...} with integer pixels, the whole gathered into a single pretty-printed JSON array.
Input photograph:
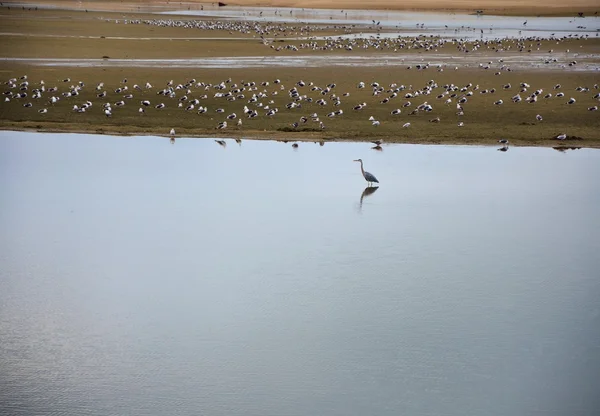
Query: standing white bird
[
  {"x": 561, "y": 136},
  {"x": 172, "y": 132}
]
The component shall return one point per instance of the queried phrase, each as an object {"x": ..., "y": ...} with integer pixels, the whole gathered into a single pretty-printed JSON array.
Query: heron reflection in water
[{"x": 369, "y": 190}]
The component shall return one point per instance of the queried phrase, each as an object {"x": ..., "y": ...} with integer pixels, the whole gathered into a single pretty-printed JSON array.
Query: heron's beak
[{"x": 355, "y": 160}]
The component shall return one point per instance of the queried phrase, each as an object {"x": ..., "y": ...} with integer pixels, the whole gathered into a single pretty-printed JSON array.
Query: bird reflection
[
  {"x": 172, "y": 140},
  {"x": 503, "y": 149},
  {"x": 378, "y": 148},
  {"x": 369, "y": 190},
  {"x": 238, "y": 141},
  {"x": 564, "y": 149},
  {"x": 221, "y": 143}
]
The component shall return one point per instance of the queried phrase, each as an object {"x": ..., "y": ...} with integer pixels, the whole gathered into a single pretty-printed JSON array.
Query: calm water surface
[
  {"x": 459, "y": 25},
  {"x": 585, "y": 62},
  {"x": 144, "y": 278}
]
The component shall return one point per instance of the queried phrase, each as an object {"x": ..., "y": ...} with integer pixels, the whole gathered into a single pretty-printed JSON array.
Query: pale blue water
[
  {"x": 144, "y": 278},
  {"x": 411, "y": 23}
]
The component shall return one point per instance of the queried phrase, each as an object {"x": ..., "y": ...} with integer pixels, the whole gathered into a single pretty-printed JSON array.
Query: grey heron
[{"x": 369, "y": 177}]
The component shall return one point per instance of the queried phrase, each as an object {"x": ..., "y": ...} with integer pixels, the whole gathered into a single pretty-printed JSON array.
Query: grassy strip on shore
[{"x": 573, "y": 142}]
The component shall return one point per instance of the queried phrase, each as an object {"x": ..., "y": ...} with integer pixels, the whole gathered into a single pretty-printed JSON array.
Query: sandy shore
[
  {"x": 490, "y": 74},
  {"x": 499, "y": 7},
  {"x": 571, "y": 143}
]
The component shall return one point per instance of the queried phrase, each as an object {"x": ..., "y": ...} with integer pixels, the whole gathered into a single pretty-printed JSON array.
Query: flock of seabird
[
  {"x": 231, "y": 26},
  {"x": 271, "y": 31},
  {"x": 257, "y": 100},
  {"x": 314, "y": 104}
]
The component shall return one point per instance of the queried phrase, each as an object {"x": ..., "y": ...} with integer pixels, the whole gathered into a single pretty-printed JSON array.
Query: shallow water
[
  {"x": 143, "y": 277},
  {"x": 585, "y": 62},
  {"x": 440, "y": 24}
]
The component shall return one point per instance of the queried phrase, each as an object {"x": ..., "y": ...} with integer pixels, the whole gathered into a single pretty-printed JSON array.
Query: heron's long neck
[{"x": 361, "y": 168}]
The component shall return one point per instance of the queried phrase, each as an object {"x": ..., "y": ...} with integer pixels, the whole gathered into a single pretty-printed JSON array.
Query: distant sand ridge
[{"x": 506, "y": 7}]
